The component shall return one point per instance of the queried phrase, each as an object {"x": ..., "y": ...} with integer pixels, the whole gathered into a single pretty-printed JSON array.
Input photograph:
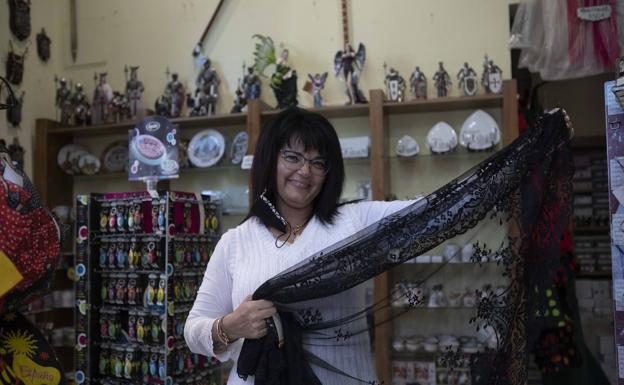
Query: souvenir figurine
[
  {"x": 155, "y": 329},
  {"x": 112, "y": 255},
  {"x": 179, "y": 327},
  {"x": 102, "y": 95},
  {"x": 492, "y": 78},
  {"x": 104, "y": 217},
  {"x": 118, "y": 364},
  {"x": 144, "y": 364},
  {"x": 252, "y": 84},
  {"x": 350, "y": 63},
  {"x": 239, "y": 101},
  {"x": 19, "y": 18},
  {"x": 155, "y": 210},
  {"x": 395, "y": 85},
  {"x": 120, "y": 256},
  {"x": 140, "y": 329},
  {"x": 14, "y": 109},
  {"x": 112, "y": 329},
  {"x": 103, "y": 326},
  {"x": 467, "y": 80},
  {"x": 112, "y": 219},
  {"x": 138, "y": 217},
  {"x": 196, "y": 254},
  {"x": 160, "y": 296},
  {"x": 134, "y": 92},
  {"x": 177, "y": 290},
  {"x": 132, "y": 291},
  {"x": 188, "y": 253},
  {"x": 179, "y": 254},
  {"x": 63, "y": 100},
  {"x": 153, "y": 365},
  {"x": 161, "y": 217},
  {"x": 151, "y": 255},
  {"x": 112, "y": 283},
  {"x": 15, "y": 65},
  {"x": 121, "y": 218},
  {"x": 162, "y": 367},
  {"x": 104, "y": 290},
  {"x": 118, "y": 107},
  {"x": 442, "y": 81},
  {"x": 418, "y": 84},
  {"x": 128, "y": 365},
  {"x": 103, "y": 255},
  {"x": 81, "y": 109},
  {"x": 206, "y": 95},
  {"x": 188, "y": 222},
  {"x": 103, "y": 362},
  {"x": 121, "y": 291},
  {"x": 133, "y": 257},
  {"x": 318, "y": 83},
  {"x": 150, "y": 293},
  {"x": 132, "y": 328},
  {"x": 171, "y": 102},
  {"x": 283, "y": 81},
  {"x": 43, "y": 45},
  {"x": 130, "y": 218}
]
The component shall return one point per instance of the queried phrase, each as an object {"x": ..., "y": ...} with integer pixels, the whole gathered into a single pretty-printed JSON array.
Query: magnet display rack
[
  {"x": 139, "y": 261},
  {"x": 51, "y": 136}
]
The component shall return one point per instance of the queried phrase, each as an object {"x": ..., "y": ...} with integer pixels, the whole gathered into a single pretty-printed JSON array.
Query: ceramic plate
[
  {"x": 407, "y": 146},
  {"x": 67, "y": 157},
  {"x": 115, "y": 157},
  {"x": 89, "y": 164},
  {"x": 479, "y": 131},
  {"x": 239, "y": 147},
  {"x": 206, "y": 148},
  {"x": 441, "y": 138}
]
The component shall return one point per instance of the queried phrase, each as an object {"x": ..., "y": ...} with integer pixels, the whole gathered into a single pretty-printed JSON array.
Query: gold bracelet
[{"x": 221, "y": 334}]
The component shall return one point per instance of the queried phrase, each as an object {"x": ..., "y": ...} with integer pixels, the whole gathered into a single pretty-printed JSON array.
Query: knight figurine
[
  {"x": 492, "y": 78},
  {"x": 171, "y": 101},
  {"x": 102, "y": 96},
  {"x": 418, "y": 84},
  {"x": 252, "y": 84},
  {"x": 318, "y": 83},
  {"x": 81, "y": 109},
  {"x": 442, "y": 81},
  {"x": 467, "y": 80},
  {"x": 134, "y": 92},
  {"x": 63, "y": 100},
  {"x": 206, "y": 95},
  {"x": 240, "y": 102},
  {"x": 349, "y": 64},
  {"x": 395, "y": 84}
]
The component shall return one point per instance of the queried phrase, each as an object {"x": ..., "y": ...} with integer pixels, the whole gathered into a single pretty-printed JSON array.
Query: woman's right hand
[{"x": 249, "y": 319}]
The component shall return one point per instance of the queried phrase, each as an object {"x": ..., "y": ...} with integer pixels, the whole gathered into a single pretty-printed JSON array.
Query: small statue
[
  {"x": 140, "y": 329},
  {"x": 134, "y": 92},
  {"x": 283, "y": 81},
  {"x": 239, "y": 101},
  {"x": 350, "y": 64},
  {"x": 206, "y": 95},
  {"x": 318, "y": 83},
  {"x": 118, "y": 110},
  {"x": 102, "y": 95},
  {"x": 63, "y": 100},
  {"x": 252, "y": 84},
  {"x": 15, "y": 65},
  {"x": 467, "y": 80},
  {"x": 395, "y": 85},
  {"x": 418, "y": 84},
  {"x": 43, "y": 45},
  {"x": 171, "y": 102},
  {"x": 81, "y": 109},
  {"x": 492, "y": 78},
  {"x": 442, "y": 81},
  {"x": 14, "y": 110}
]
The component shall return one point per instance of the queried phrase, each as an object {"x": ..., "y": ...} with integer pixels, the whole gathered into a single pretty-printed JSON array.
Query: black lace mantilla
[{"x": 526, "y": 186}]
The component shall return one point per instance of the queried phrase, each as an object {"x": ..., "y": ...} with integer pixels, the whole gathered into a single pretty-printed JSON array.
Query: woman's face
[{"x": 298, "y": 185}]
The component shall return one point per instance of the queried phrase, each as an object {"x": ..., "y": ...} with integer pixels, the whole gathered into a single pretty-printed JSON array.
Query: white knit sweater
[{"x": 246, "y": 257}]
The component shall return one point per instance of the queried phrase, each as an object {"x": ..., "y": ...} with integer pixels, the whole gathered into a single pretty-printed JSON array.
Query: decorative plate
[
  {"x": 115, "y": 157},
  {"x": 239, "y": 147},
  {"x": 441, "y": 138},
  {"x": 479, "y": 131},
  {"x": 89, "y": 164},
  {"x": 407, "y": 146},
  {"x": 66, "y": 155},
  {"x": 206, "y": 148}
]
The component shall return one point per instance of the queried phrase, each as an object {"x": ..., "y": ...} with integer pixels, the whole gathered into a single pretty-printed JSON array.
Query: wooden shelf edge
[
  {"x": 595, "y": 275},
  {"x": 445, "y": 104}
]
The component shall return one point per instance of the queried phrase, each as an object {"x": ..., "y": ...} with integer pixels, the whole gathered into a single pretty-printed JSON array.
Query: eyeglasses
[{"x": 294, "y": 160}]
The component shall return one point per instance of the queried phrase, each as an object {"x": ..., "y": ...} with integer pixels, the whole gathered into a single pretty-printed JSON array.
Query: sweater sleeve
[{"x": 212, "y": 302}]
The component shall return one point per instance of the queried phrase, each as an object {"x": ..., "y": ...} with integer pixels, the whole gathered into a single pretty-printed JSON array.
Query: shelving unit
[{"x": 373, "y": 119}]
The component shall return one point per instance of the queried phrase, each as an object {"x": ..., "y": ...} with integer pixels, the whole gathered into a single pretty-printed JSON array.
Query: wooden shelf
[
  {"x": 595, "y": 275},
  {"x": 592, "y": 230},
  {"x": 445, "y": 104},
  {"x": 331, "y": 112}
]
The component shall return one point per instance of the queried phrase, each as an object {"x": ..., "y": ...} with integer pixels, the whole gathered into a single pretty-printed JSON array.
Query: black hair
[{"x": 313, "y": 131}]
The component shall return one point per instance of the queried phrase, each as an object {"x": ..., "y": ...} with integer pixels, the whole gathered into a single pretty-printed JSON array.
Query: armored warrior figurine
[
  {"x": 63, "y": 100},
  {"x": 418, "y": 84},
  {"x": 395, "y": 85},
  {"x": 206, "y": 95},
  {"x": 171, "y": 102},
  {"x": 467, "y": 80},
  {"x": 134, "y": 92},
  {"x": 102, "y": 95},
  {"x": 318, "y": 83},
  {"x": 118, "y": 108},
  {"x": 284, "y": 78},
  {"x": 80, "y": 106},
  {"x": 350, "y": 64},
  {"x": 442, "y": 81},
  {"x": 492, "y": 78},
  {"x": 252, "y": 84},
  {"x": 239, "y": 101}
]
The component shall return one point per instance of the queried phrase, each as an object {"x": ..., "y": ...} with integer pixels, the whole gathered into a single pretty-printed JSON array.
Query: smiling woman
[{"x": 297, "y": 178}]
